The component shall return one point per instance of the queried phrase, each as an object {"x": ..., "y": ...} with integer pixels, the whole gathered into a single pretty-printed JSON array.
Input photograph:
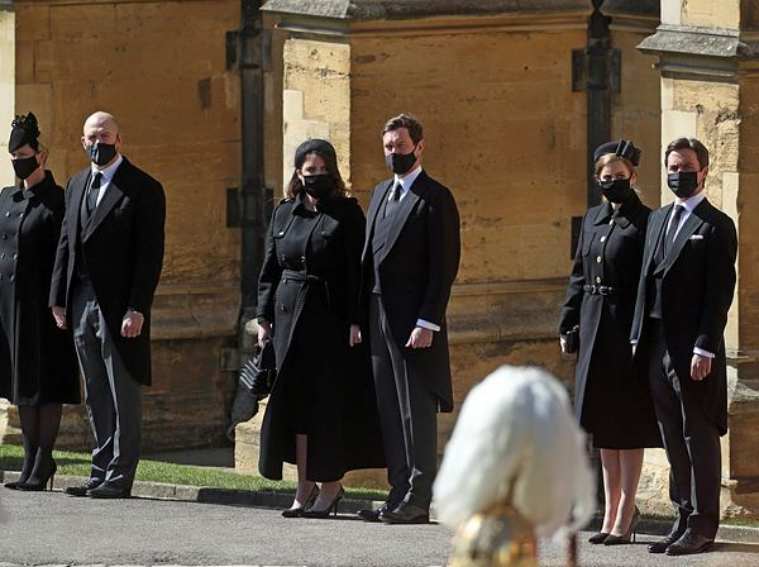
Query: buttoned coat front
[
  {"x": 309, "y": 289},
  {"x": 612, "y": 400},
  {"x": 37, "y": 360}
]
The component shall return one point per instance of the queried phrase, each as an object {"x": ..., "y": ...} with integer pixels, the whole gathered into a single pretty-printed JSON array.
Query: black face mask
[
  {"x": 318, "y": 186},
  {"x": 100, "y": 153},
  {"x": 615, "y": 190},
  {"x": 24, "y": 167},
  {"x": 401, "y": 163},
  {"x": 683, "y": 183}
]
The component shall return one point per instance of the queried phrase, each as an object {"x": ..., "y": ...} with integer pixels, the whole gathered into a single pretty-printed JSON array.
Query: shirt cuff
[
  {"x": 427, "y": 325},
  {"x": 702, "y": 352}
]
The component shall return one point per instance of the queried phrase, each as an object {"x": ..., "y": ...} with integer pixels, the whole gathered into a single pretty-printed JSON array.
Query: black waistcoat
[{"x": 382, "y": 227}]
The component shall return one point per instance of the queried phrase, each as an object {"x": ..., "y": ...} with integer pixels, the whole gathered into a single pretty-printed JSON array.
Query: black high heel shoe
[
  {"x": 331, "y": 509},
  {"x": 26, "y": 470},
  {"x": 43, "y": 473},
  {"x": 599, "y": 537},
  {"x": 628, "y": 536},
  {"x": 298, "y": 512}
]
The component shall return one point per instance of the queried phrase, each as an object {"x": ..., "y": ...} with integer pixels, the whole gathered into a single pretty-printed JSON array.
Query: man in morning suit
[
  {"x": 106, "y": 271},
  {"x": 410, "y": 260},
  {"x": 686, "y": 287}
]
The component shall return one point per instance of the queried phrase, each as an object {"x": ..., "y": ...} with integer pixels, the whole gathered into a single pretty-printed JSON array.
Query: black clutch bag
[
  {"x": 260, "y": 370},
  {"x": 572, "y": 340}
]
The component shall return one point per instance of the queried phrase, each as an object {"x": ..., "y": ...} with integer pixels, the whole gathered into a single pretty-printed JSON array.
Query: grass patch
[{"x": 78, "y": 464}]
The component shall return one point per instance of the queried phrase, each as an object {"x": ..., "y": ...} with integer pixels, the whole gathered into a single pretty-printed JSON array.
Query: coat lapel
[
  {"x": 77, "y": 187},
  {"x": 691, "y": 225},
  {"x": 604, "y": 214},
  {"x": 112, "y": 196},
  {"x": 374, "y": 208},
  {"x": 658, "y": 221},
  {"x": 408, "y": 203}
]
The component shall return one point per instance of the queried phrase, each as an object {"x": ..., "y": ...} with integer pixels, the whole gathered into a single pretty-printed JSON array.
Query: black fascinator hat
[
  {"x": 622, "y": 148},
  {"x": 24, "y": 130}
]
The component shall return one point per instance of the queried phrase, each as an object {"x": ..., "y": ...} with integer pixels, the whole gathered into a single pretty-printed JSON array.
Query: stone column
[{"x": 709, "y": 63}]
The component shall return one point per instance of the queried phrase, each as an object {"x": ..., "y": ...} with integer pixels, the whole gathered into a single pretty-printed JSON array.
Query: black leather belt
[
  {"x": 307, "y": 279},
  {"x": 599, "y": 289}
]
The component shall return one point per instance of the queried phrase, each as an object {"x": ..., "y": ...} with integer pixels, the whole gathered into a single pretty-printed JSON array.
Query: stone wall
[
  {"x": 159, "y": 66},
  {"x": 636, "y": 109},
  {"x": 7, "y": 84}
]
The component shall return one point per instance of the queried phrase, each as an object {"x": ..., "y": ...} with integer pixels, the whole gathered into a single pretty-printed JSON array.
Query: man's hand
[
  {"x": 420, "y": 338},
  {"x": 355, "y": 336},
  {"x": 59, "y": 314},
  {"x": 131, "y": 324},
  {"x": 264, "y": 332},
  {"x": 700, "y": 367}
]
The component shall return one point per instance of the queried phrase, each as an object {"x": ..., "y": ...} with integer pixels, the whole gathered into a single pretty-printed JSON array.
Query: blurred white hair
[{"x": 516, "y": 432}]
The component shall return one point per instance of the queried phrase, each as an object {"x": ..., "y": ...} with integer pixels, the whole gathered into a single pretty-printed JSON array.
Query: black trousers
[
  {"x": 113, "y": 398},
  {"x": 691, "y": 441},
  {"x": 408, "y": 416}
]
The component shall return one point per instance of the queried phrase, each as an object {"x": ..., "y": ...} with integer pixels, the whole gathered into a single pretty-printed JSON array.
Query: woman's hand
[
  {"x": 355, "y": 336},
  {"x": 264, "y": 332}
]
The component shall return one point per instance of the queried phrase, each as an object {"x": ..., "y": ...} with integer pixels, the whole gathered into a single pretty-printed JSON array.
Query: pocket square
[{"x": 697, "y": 237}]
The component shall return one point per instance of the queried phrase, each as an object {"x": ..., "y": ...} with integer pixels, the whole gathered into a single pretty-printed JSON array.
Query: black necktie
[
  {"x": 395, "y": 199},
  {"x": 677, "y": 214},
  {"x": 671, "y": 232},
  {"x": 93, "y": 193}
]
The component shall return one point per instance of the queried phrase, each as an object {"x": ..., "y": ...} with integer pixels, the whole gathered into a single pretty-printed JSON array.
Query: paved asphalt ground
[{"x": 53, "y": 529}]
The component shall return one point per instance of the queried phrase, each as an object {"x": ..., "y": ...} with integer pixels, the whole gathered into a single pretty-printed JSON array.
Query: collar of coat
[
  {"x": 34, "y": 191},
  {"x": 624, "y": 213}
]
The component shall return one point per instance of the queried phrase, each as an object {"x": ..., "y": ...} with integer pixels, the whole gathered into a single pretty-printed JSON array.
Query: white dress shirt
[
  {"x": 107, "y": 175},
  {"x": 689, "y": 205},
  {"x": 403, "y": 184}
]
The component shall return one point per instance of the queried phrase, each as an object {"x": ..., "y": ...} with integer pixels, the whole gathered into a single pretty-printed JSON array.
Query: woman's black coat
[
  {"x": 302, "y": 274},
  {"x": 612, "y": 399},
  {"x": 37, "y": 360}
]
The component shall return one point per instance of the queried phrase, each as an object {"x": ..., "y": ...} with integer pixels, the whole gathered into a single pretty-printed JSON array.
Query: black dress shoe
[
  {"x": 598, "y": 538},
  {"x": 629, "y": 535},
  {"x": 84, "y": 488},
  {"x": 406, "y": 514},
  {"x": 373, "y": 515},
  {"x": 104, "y": 491},
  {"x": 662, "y": 545},
  {"x": 689, "y": 544},
  {"x": 331, "y": 509}
]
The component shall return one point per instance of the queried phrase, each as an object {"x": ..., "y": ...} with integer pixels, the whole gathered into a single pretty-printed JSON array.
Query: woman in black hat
[
  {"x": 612, "y": 401},
  {"x": 321, "y": 414},
  {"x": 38, "y": 369}
]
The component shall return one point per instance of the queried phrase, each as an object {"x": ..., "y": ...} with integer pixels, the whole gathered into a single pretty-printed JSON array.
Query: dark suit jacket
[
  {"x": 697, "y": 290},
  {"x": 123, "y": 245},
  {"x": 417, "y": 267}
]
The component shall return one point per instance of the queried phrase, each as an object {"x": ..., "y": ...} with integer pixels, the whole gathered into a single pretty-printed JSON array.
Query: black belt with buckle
[{"x": 599, "y": 289}]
